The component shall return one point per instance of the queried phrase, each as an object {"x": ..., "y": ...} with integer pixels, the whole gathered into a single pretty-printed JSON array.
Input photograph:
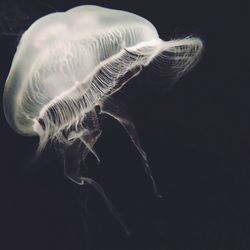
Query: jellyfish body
[{"x": 68, "y": 63}]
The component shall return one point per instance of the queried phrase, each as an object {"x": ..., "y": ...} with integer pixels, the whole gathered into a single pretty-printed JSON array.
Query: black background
[{"x": 196, "y": 134}]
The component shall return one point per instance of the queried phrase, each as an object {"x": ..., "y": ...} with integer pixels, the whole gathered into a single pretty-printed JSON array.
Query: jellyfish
[{"x": 69, "y": 64}]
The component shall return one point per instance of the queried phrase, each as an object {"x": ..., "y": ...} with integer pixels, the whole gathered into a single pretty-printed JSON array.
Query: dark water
[{"x": 197, "y": 136}]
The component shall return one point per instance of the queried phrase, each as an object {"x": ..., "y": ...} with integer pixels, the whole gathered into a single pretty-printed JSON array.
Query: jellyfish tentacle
[
  {"x": 91, "y": 134},
  {"x": 89, "y": 138},
  {"x": 111, "y": 207},
  {"x": 83, "y": 144},
  {"x": 120, "y": 115},
  {"x": 75, "y": 177},
  {"x": 72, "y": 161},
  {"x": 77, "y": 180}
]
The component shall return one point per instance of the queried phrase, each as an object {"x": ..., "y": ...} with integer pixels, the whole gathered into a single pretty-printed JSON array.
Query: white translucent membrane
[{"x": 68, "y": 63}]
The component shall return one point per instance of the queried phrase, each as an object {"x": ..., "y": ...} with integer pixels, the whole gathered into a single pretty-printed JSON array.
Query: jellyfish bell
[
  {"x": 65, "y": 56},
  {"x": 67, "y": 63}
]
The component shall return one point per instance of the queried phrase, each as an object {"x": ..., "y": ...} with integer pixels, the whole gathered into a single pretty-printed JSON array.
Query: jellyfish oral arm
[{"x": 108, "y": 107}]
